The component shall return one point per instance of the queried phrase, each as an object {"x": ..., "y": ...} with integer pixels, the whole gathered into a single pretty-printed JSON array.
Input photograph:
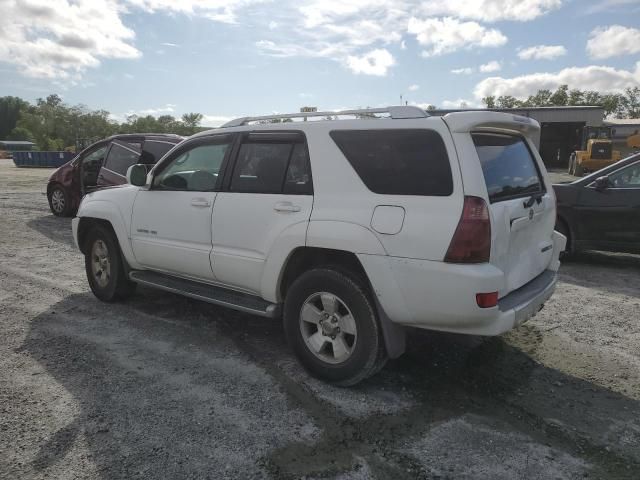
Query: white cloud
[
  {"x": 169, "y": 44},
  {"x": 599, "y": 78},
  {"x": 62, "y": 38},
  {"x": 462, "y": 71},
  {"x": 351, "y": 32},
  {"x": 542, "y": 52},
  {"x": 166, "y": 109},
  {"x": 376, "y": 62},
  {"x": 459, "y": 103},
  {"x": 214, "y": 120},
  {"x": 414, "y": 88},
  {"x": 613, "y": 41},
  {"x": 446, "y": 35},
  {"x": 493, "y": 66},
  {"x": 610, "y": 6},
  {"x": 224, "y": 11},
  {"x": 491, "y": 10}
]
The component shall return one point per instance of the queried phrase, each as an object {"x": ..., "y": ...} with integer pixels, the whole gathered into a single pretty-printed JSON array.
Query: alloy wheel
[
  {"x": 57, "y": 200},
  {"x": 100, "y": 263},
  {"x": 328, "y": 327}
]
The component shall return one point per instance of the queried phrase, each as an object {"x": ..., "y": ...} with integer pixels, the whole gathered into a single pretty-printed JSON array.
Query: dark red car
[{"x": 103, "y": 164}]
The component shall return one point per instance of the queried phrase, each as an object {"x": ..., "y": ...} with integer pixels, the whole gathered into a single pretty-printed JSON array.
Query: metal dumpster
[{"x": 41, "y": 159}]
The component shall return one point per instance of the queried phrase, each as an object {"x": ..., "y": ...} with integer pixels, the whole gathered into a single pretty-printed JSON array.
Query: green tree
[
  {"x": 630, "y": 103},
  {"x": 191, "y": 121},
  {"x": 560, "y": 96},
  {"x": 20, "y": 133},
  {"x": 489, "y": 101},
  {"x": 507, "y": 101},
  {"x": 10, "y": 108}
]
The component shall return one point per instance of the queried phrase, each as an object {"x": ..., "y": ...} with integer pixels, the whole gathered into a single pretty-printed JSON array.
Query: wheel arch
[
  {"x": 305, "y": 258},
  {"x": 84, "y": 227},
  {"x": 106, "y": 213}
]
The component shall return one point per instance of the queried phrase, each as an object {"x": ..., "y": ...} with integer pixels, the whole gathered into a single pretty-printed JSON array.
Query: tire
[
  {"x": 104, "y": 266},
  {"x": 332, "y": 326},
  {"x": 59, "y": 201},
  {"x": 572, "y": 159}
]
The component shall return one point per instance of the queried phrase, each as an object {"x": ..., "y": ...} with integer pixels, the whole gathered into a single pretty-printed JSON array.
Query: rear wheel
[
  {"x": 572, "y": 162},
  {"x": 59, "y": 201},
  {"x": 332, "y": 326},
  {"x": 105, "y": 267}
]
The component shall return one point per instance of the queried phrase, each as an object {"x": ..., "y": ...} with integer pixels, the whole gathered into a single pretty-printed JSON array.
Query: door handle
[
  {"x": 286, "y": 207},
  {"x": 200, "y": 202}
]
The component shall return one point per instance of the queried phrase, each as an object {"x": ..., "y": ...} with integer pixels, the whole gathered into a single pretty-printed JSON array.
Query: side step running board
[{"x": 207, "y": 293}]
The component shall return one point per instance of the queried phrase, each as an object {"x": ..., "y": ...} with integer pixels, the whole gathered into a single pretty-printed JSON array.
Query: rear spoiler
[{"x": 462, "y": 122}]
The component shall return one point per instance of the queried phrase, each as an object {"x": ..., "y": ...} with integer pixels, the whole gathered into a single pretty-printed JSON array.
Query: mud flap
[{"x": 395, "y": 338}]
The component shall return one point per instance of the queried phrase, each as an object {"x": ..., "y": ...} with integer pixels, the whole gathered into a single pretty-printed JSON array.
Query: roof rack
[{"x": 395, "y": 112}]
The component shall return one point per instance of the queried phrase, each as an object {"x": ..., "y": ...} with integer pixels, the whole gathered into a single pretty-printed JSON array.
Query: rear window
[
  {"x": 509, "y": 168},
  {"x": 398, "y": 162}
]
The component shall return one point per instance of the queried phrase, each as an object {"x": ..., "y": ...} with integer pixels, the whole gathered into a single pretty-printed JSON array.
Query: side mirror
[
  {"x": 602, "y": 183},
  {"x": 137, "y": 175}
]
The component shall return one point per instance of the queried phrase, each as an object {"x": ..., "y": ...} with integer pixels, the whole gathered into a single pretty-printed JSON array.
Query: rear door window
[
  {"x": 273, "y": 163},
  {"x": 509, "y": 168},
  {"x": 398, "y": 162},
  {"x": 154, "y": 150},
  {"x": 121, "y": 157}
]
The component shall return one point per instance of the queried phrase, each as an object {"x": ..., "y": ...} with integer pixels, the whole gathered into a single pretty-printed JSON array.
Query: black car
[
  {"x": 602, "y": 211},
  {"x": 104, "y": 164}
]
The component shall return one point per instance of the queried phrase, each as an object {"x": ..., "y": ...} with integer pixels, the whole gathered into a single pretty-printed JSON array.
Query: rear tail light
[
  {"x": 472, "y": 241},
  {"x": 487, "y": 300}
]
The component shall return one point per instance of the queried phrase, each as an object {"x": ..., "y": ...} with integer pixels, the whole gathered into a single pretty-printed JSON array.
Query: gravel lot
[{"x": 166, "y": 387}]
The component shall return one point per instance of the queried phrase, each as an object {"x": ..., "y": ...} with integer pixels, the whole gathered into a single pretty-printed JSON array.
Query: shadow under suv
[{"x": 103, "y": 164}]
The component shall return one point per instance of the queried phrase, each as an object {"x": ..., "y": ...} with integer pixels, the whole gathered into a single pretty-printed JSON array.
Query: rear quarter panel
[{"x": 342, "y": 197}]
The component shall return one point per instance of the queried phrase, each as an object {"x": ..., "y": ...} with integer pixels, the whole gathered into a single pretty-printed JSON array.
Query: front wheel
[
  {"x": 332, "y": 326},
  {"x": 105, "y": 267},
  {"x": 59, "y": 201}
]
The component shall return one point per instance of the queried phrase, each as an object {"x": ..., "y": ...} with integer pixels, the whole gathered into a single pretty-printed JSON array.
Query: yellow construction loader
[{"x": 596, "y": 151}]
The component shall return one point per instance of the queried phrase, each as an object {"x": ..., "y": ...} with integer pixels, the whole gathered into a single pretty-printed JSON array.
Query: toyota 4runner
[{"x": 350, "y": 230}]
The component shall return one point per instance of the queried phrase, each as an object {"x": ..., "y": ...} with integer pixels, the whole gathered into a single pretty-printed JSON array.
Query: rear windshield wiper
[{"x": 536, "y": 197}]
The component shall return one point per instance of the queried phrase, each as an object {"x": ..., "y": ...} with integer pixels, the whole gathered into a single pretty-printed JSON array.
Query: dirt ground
[{"x": 166, "y": 387}]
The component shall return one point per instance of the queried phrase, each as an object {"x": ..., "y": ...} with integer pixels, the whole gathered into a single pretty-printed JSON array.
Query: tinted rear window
[
  {"x": 398, "y": 162},
  {"x": 509, "y": 169},
  {"x": 154, "y": 151}
]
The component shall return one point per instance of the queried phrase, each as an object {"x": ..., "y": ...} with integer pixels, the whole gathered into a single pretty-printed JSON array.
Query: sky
[{"x": 226, "y": 58}]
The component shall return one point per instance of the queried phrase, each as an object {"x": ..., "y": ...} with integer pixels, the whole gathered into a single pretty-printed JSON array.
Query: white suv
[{"x": 349, "y": 229}]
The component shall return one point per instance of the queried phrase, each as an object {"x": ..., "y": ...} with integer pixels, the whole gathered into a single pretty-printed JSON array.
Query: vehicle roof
[
  {"x": 459, "y": 120},
  {"x": 131, "y": 136}
]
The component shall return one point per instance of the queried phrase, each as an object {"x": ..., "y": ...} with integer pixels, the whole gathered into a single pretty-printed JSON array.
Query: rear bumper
[
  {"x": 441, "y": 296},
  {"x": 522, "y": 304}
]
